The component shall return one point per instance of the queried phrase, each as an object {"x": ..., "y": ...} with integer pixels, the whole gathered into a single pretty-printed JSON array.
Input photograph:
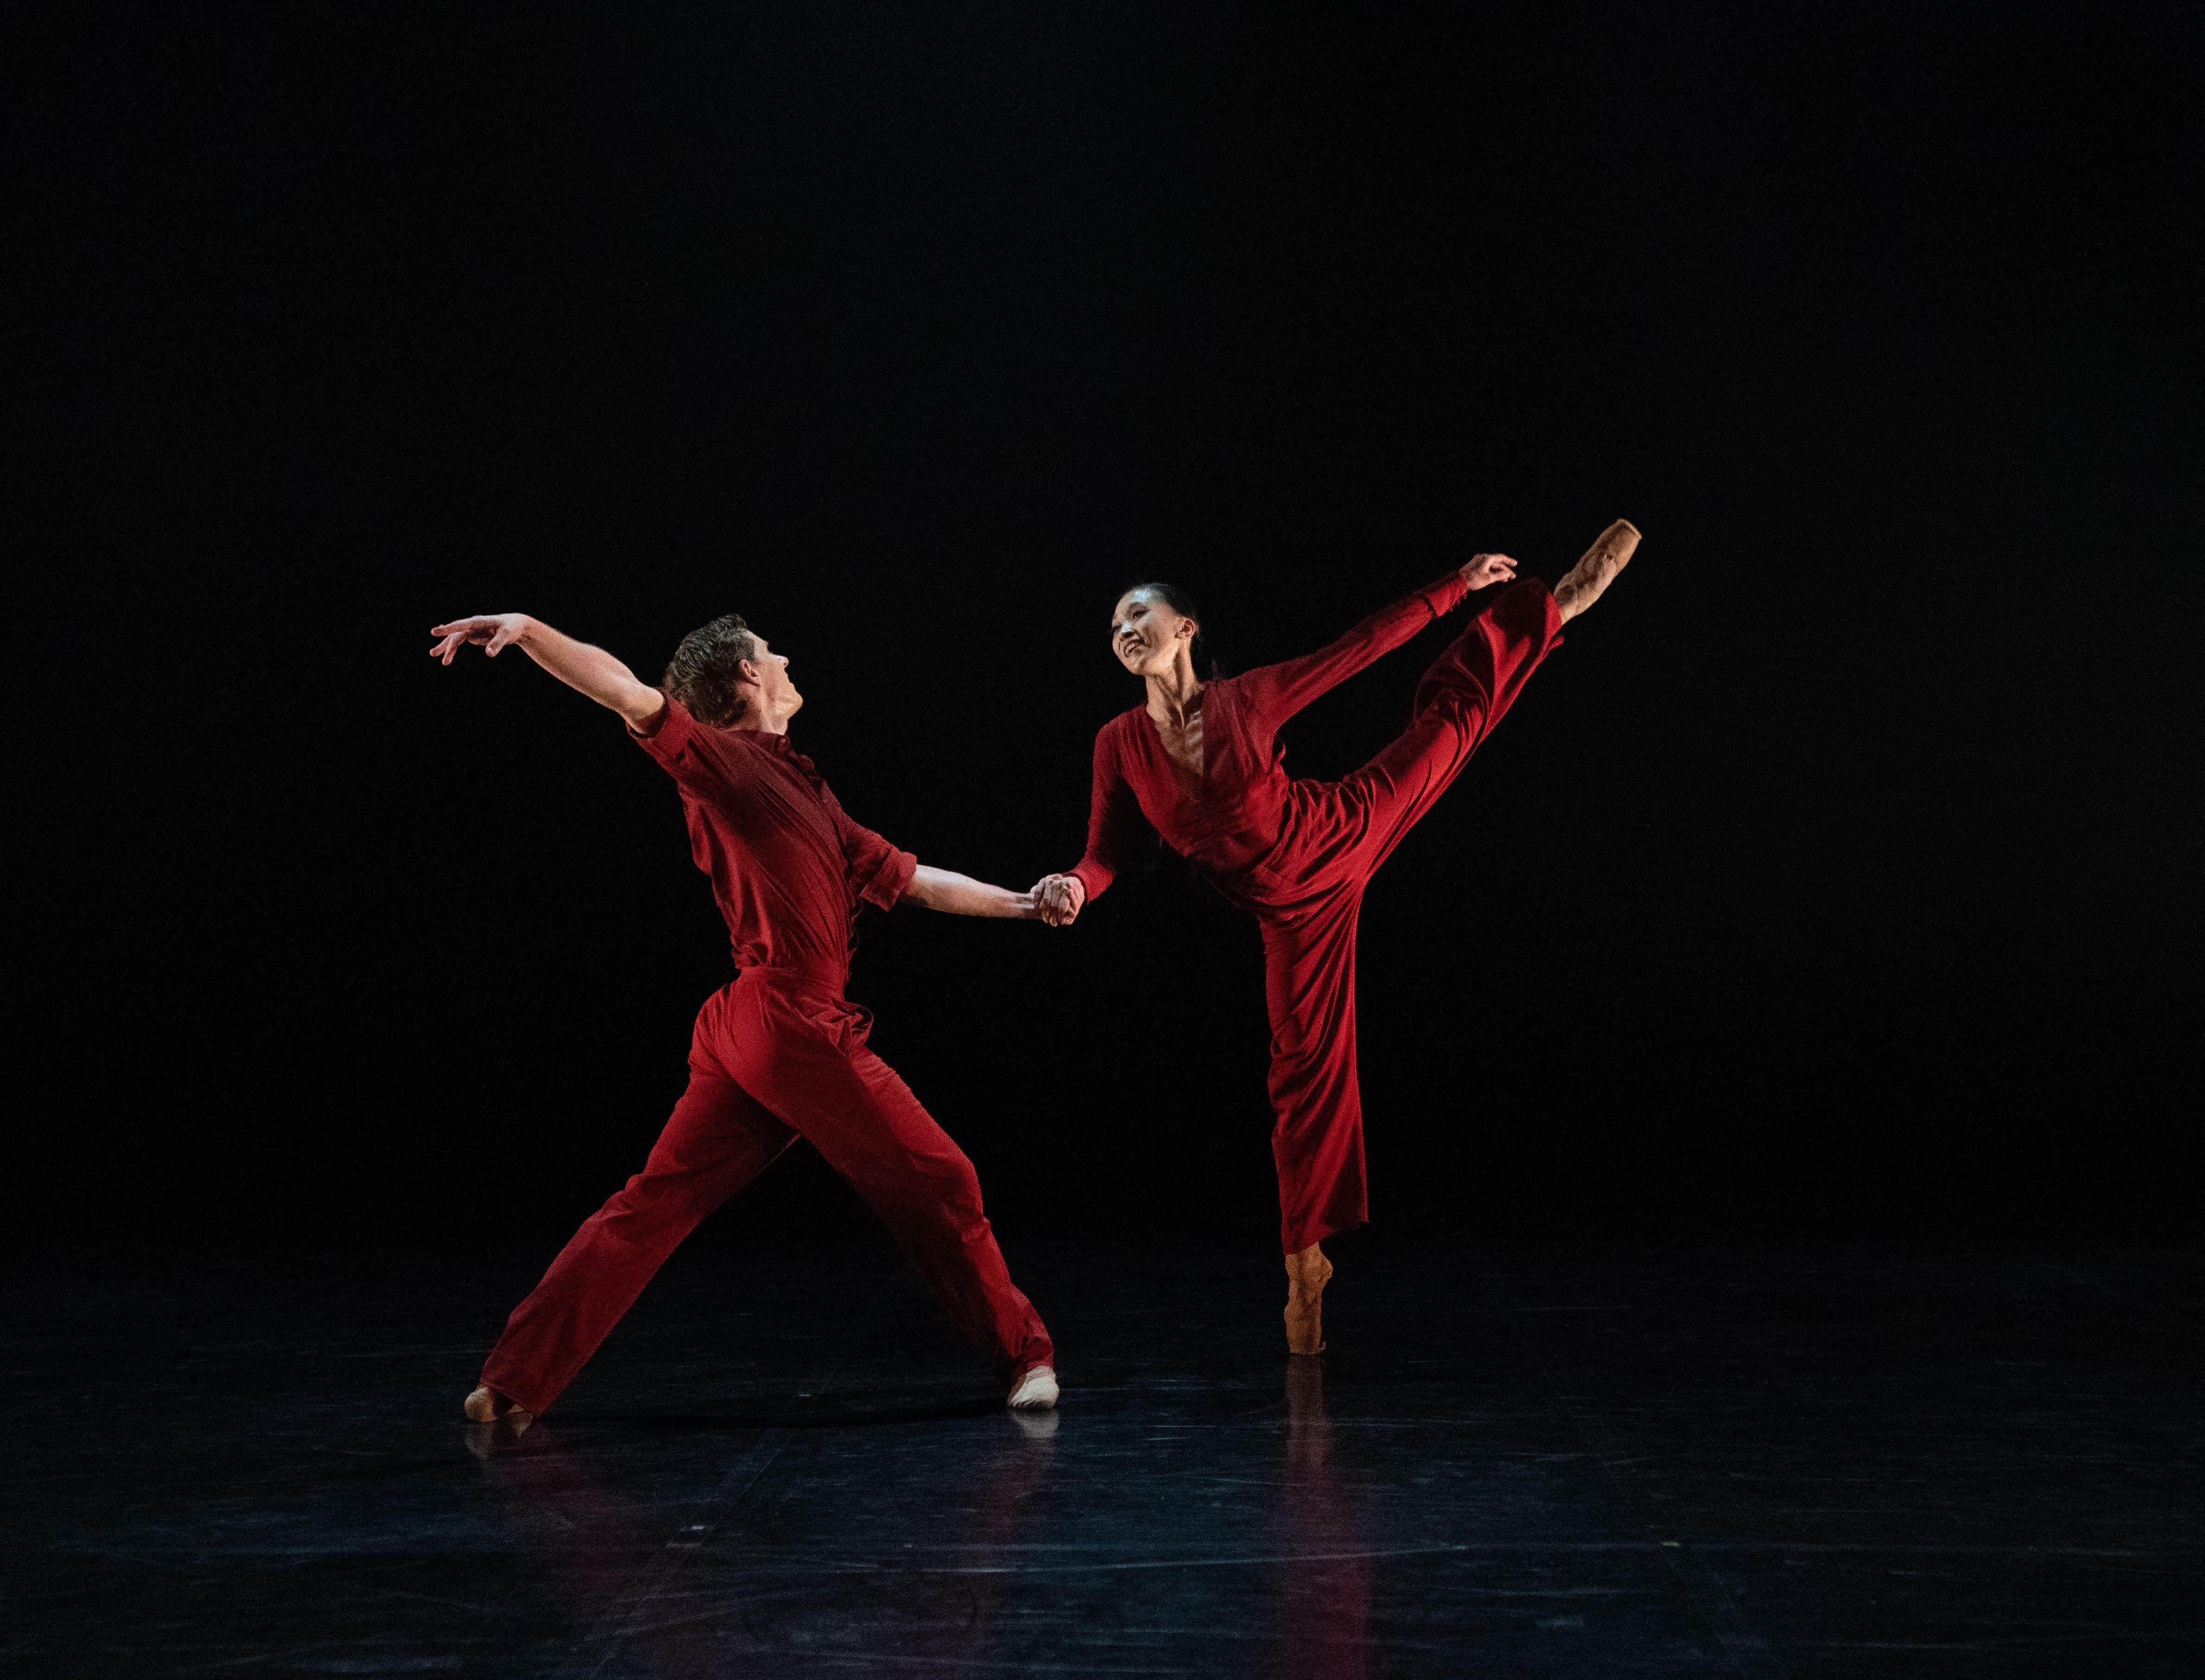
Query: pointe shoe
[
  {"x": 1307, "y": 1274},
  {"x": 487, "y": 1405},
  {"x": 1036, "y": 1391},
  {"x": 1584, "y": 581}
]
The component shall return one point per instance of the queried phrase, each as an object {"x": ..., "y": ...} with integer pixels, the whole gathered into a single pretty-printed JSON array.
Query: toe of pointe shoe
[
  {"x": 487, "y": 1405},
  {"x": 1035, "y": 1391},
  {"x": 1614, "y": 546}
]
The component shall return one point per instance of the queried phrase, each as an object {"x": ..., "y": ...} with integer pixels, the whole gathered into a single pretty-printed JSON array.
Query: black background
[{"x": 1838, "y": 877}]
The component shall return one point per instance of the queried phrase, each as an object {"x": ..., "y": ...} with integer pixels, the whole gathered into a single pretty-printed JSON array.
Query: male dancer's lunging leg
[{"x": 778, "y": 1053}]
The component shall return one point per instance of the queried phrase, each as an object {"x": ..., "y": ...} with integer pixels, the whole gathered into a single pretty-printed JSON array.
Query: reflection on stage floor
[{"x": 782, "y": 1465}]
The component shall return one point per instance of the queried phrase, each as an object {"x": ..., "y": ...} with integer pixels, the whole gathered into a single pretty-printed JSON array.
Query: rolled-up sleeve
[
  {"x": 668, "y": 736},
  {"x": 880, "y": 874}
]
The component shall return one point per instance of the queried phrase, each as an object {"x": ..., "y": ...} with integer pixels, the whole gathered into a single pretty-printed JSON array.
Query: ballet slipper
[
  {"x": 1307, "y": 1274},
  {"x": 487, "y": 1405},
  {"x": 1035, "y": 1391},
  {"x": 1607, "y": 557}
]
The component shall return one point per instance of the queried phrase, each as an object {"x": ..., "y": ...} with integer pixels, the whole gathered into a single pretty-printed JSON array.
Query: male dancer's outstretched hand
[
  {"x": 1058, "y": 899},
  {"x": 493, "y": 632},
  {"x": 1479, "y": 570}
]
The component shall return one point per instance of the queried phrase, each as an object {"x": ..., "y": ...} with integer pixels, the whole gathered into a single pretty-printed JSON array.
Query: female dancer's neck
[{"x": 1176, "y": 695}]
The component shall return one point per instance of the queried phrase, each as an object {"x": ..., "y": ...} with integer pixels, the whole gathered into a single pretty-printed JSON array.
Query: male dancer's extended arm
[
  {"x": 961, "y": 895},
  {"x": 589, "y": 670},
  {"x": 1273, "y": 693}
]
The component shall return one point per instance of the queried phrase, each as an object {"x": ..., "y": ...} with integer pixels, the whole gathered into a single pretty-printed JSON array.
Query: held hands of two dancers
[{"x": 1058, "y": 899}]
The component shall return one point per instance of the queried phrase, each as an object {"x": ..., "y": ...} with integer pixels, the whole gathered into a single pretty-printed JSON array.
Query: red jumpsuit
[
  {"x": 776, "y": 1054},
  {"x": 1297, "y": 854}
]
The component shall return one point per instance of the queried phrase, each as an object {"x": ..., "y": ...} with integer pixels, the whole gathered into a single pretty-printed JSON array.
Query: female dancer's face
[{"x": 1146, "y": 635}]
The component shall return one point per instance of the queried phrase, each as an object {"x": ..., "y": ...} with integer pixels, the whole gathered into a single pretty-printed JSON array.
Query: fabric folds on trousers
[{"x": 774, "y": 1058}]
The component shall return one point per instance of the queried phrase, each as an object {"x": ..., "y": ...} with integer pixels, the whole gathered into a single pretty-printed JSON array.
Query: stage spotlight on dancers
[
  {"x": 779, "y": 1053},
  {"x": 1199, "y": 761}
]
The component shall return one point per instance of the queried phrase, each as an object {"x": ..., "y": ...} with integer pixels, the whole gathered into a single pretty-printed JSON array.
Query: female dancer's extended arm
[
  {"x": 1114, "y": 825},
  {"x": 1274, "y": 693}
]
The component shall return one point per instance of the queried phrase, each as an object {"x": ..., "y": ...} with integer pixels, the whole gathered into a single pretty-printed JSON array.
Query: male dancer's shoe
[
  {"x": 1307, "y": 1274},
  {"x": 487, "y": 1405},
  {"x": 1585, "y": 580},
  {"x": 1036, "y": 1391}
]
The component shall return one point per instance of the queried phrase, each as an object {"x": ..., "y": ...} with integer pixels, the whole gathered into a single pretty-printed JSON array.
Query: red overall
[
  {"x": 777, "y": 1054},
  {"x": 1297, "y": 854}
]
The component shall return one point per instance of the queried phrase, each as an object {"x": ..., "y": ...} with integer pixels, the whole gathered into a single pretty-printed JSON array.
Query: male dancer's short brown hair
[{"x": 706, "y": 669}]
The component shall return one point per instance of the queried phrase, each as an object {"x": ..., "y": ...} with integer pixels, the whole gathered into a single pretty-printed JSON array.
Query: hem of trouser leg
[
  {"x": 1325, "y": 1234},
  {"x": 1026, "y": 1363},
  {"x": 506, "y": 1392},
  {"x": 1554, "y": 611}
]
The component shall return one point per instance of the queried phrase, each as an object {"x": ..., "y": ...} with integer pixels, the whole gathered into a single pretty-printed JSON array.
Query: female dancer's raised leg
[{"x": 1309, "y": 955}]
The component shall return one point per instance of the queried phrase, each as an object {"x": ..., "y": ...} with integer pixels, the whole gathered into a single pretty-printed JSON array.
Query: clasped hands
[{"x": 1058, "y": 899}]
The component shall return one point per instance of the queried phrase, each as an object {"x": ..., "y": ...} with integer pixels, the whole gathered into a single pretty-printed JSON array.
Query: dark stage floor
[{"x": 1857, "y": 1465}]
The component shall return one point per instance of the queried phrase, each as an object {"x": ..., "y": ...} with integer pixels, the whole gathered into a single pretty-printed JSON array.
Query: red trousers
[
  {"x": 1336, "y": 836},
  {"x": 774, "y": 1058}
]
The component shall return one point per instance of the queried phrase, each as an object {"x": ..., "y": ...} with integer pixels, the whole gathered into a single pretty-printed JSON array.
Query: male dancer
[{"x": 779, "y": 1053}]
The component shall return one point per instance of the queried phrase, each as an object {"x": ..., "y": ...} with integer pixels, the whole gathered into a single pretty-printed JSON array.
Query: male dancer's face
[
  {"x": 1145, "y": 634},
  {"x": 777, "y": 696}
]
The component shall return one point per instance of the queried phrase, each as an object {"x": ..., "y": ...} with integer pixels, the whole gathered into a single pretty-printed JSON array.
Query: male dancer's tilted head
[{"x": 727, "y": 676}]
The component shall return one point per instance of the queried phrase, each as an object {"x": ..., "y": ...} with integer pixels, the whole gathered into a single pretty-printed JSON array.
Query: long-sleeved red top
[
  {"x": 790, "y": 870},
  {"x": 1231, "y": 831}
]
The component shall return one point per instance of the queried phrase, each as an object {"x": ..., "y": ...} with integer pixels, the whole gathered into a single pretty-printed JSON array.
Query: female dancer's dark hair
[{"x": 1205, "y": 663}]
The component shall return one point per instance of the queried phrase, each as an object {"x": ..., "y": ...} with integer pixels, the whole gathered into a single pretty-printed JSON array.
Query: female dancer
[{"x": 1199, "y": 761}]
